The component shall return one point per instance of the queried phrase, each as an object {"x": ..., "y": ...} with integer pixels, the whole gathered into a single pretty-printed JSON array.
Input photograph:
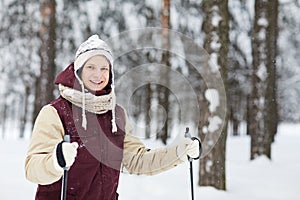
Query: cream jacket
[{"x": 48, "y": 131}]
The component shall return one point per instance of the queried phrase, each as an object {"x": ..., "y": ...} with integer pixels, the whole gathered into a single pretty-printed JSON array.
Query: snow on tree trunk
[{"x": 215, "y": 27}]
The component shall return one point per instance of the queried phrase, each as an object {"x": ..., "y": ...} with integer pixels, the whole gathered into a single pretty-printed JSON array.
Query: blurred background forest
[{"x": 254, "y": 43}]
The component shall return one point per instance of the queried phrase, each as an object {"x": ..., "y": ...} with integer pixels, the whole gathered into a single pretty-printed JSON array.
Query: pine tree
[
  {"x": 163, "y": 91},
  {"x": 44, "y": 84}
]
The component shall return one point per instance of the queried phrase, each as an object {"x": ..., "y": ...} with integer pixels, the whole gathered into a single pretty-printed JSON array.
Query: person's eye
[{"x": 104, "y": 69}]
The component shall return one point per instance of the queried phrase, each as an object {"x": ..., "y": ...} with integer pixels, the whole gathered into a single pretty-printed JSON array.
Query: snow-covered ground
[{"x": 260, "y": 179}]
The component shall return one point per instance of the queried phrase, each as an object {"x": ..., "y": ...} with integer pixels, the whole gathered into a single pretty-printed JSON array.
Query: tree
[
  {"x": 18, "y": 46},
  {"x": 44, "y": 83},
  {"x": 288, "y": 66},
  {"x": 239, "y": 64},
  {"x": 272, "y": 116},
  {"x": 264, "y": 115},
  {"x": 215, "y": 27},
  {"x": 163, "y": 91}
]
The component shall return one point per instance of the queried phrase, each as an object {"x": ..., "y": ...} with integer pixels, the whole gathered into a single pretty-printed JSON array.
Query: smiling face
[{"x": 95, "y": 73}]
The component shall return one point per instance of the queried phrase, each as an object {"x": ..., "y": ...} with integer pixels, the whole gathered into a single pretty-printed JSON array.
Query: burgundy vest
[{"x": 95, "y": 172}]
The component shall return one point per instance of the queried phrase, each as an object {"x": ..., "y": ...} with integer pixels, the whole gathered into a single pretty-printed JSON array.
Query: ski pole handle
[
  {"x": 188, "y": 135},
  {"x": 67, "y": 139}
]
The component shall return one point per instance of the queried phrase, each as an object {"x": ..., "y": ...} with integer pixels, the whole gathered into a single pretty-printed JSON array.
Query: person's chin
[{"x": 94, "y": 87}]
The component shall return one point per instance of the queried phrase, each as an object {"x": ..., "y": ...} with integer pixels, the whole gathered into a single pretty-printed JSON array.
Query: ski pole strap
[
  {"x": 60, "y": 156},
  {"x": 200, "y": 147},
  {"x": 188, "y": 135}
]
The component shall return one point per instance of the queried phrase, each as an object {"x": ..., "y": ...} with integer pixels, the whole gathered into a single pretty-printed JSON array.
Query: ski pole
[
  {"x": 65, "y": 176},
  {"x": 188, "y": 135}
]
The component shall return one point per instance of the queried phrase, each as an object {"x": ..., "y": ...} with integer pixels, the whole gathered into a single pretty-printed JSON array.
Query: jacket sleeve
[
  {"x": 47, "y": 132},
  {"x": 137, "y": 159}
]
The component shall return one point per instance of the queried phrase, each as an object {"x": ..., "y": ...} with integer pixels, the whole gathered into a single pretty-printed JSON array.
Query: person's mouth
[{"x": 97, "y": 82}]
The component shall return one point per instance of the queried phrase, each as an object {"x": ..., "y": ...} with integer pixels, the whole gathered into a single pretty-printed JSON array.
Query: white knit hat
[{"x": 91, "y": 47}]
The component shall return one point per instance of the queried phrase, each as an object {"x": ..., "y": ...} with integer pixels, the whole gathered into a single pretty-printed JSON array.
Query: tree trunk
[
  {"x": 215, "y": 27},
  {"x": 272, "y": 116},
  {"x": 44, "y": 83},
  {"x": 264, "y": 117},
  {"x": 248, "y": 115},
  {"x": 234, "y": 121},
  {"x": 4, "y": 116},
  {"x": 23, "y": 120},
  {"x": 164, "y": 75},
  {"x": 148, "y": 110},
  {"x": 257, "y": 101}
]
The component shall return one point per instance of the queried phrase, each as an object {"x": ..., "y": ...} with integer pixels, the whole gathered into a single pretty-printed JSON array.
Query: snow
[
  {"x": 216, "y": 20},
  {"x": 154, "y": 4},
  {"x": 215, "y": 42},
  {"x": 213, "y": 62},
  {"x": 262, "y": 22},
  {"x": 131, "y": 19},
  {"x": 93, "y": 16},
  {"x": 214, "y": 123},
  {"x": 262, "y": 72},
  {"x": 262, "y": 35},
  {"x": 213, "y": 98},
  {"x": 260, "y": 179}
]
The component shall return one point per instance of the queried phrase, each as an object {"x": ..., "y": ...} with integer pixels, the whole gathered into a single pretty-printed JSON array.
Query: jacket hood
[{"x": 67, "y": 77}]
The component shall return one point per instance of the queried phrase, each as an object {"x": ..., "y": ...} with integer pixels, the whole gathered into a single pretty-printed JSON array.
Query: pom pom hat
[{"x": 94, "y": 46}]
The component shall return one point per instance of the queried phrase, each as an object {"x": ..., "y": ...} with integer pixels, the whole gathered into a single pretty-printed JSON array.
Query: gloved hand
[
  {"x": 188, "y": 147},
  {"x": 64, "y": 155}
]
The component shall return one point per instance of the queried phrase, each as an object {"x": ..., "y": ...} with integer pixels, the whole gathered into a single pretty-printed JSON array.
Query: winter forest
[{"x": 223, "y": 68}]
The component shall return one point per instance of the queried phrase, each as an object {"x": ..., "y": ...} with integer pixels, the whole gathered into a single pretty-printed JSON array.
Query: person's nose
[{"x": 98, "y": 72}]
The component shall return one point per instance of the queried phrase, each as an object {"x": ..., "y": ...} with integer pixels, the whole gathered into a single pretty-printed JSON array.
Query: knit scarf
[{"x": 89, "y": 102}]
